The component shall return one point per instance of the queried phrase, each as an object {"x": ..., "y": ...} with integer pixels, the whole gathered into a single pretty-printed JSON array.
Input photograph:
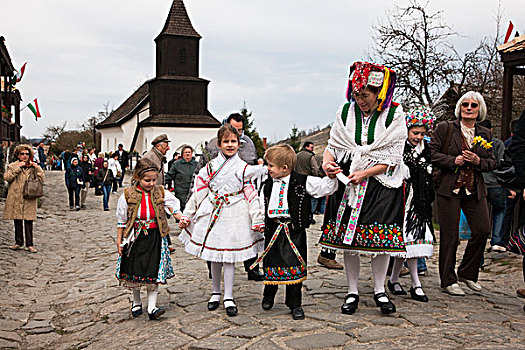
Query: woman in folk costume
[
  {"x": 366, "y": 144},
  {"x": 223, "y": 219},
  {"x": 419, "y": 193},
  {"x": 142, "y": 244}
]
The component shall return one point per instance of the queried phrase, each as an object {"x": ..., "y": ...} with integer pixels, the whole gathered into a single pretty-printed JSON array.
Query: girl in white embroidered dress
[{"x": 223, "y": 220}]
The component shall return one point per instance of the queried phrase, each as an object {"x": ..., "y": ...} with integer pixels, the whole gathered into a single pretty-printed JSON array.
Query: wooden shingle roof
[
  {"x": 127, "y": 108},
  {"x": 195, "y": 121},
  {"x": 178, "y": 22},
  {"x": 516, "y": 44}
]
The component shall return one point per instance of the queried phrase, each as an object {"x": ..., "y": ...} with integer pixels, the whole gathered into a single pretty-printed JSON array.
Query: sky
[{"x": 288, "y": 60}]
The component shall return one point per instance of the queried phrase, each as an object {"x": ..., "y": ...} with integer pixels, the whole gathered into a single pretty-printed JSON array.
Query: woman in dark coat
[
  {"x": 460, "y": 153},
  {"x": 105, "y": 177},
  {"x": 75, "y": 181}
]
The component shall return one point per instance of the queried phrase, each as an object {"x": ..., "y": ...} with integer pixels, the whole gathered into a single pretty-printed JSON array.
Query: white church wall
[{"x": 110, "y": 137}]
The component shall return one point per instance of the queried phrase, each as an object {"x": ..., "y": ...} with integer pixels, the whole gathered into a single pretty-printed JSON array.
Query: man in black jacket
[{"x": 123, "y": 159}]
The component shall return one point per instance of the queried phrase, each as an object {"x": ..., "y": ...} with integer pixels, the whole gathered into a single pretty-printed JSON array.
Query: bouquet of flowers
[{"x": 478, "y": 140}]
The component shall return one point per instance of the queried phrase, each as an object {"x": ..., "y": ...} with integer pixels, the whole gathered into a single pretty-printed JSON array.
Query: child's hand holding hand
[
  {"x": 184, "y": 222},
  {"x": 258, "y": 228}
]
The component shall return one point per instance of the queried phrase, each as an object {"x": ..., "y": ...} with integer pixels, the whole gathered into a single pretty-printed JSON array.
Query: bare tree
[
  {"x": 415, "y": 44},
  {"x": 53, "y": 132}
]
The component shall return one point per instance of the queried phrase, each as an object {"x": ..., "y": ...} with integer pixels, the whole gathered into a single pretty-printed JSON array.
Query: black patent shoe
[
  {"x": 350, "y": 308},
  {"x": 392, "y": 288},
  {"x": 423, "y": 298},
  {"x": 267, "y": 303},
  {"x": 157, "y": 312},
  {"x": 255, "y": 275},
  {"x": 136, "y": 310},
  {"x": 213, "y": 305},
  {"x": 231, "y": 310},
  {"x": 298, "y": 313},
  {"x": 386, "y": 307}
]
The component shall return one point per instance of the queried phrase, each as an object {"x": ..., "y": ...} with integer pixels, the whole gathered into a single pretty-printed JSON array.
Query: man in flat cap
[{"x": 157, "y": 154}]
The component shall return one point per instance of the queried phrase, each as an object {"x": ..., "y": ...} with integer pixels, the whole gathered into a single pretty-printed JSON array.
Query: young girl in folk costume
[
  {"x": 419, "y": 193},
  {"x": 142, "y": 226},
  {"x": 223, "y": 219}
]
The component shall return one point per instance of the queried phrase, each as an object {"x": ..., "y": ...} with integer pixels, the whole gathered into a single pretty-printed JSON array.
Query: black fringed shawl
[{"x": 420, "y": 212}]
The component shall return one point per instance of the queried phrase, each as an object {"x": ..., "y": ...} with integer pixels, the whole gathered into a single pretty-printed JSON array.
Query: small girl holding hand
[
  {"x": 223, "y": 218},
  {"x": 142, "y": 226}
]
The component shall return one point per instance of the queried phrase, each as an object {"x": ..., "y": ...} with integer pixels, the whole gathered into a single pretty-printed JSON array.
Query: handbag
[
  {"x": 33, "y": 187},
  {"x": 505, "y": 173},
  {"x": 98, "y": 188},
  {"x": 437, "y": 173}
]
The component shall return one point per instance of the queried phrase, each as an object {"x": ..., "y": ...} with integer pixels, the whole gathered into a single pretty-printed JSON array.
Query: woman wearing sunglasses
[
  {"x": 18, "y": 208},
  {"x": 460, "y": 153}
]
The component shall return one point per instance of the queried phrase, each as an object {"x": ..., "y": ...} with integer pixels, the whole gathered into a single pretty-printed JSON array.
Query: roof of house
[
  {"x": 516, "y": 44},
  {"x": 178, "y": 22},
  {"x": 196, "y": 121},
  {"x": 138, "y": 99},
  {"x": 5, "y": 54},
  {"x": 127, "y": 108}
]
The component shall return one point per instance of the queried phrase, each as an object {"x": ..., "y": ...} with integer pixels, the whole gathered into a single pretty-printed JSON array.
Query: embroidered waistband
[{"x": 145, "y": 224}]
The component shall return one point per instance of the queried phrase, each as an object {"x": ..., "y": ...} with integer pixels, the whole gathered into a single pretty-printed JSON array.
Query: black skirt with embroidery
[
  {"x": 281, "y": 265},
  {"x": 142, "y": 264},
  {"x": 379, "y": 227}
]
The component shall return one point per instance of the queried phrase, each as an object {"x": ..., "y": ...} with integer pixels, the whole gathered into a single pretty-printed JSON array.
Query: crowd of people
[{"x": 381, "y": 179}]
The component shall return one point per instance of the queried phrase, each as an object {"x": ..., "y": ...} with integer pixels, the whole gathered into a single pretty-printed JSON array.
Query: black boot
[{"x": 267, "y": 303}]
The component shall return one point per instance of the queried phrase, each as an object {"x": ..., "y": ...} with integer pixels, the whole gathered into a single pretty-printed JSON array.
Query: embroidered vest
[
  {"x": 134, "y": 196},
  {"x": 298, "y": 200}
]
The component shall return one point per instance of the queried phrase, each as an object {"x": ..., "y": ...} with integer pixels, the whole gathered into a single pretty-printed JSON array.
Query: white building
[{"x": 175, "y": 102}]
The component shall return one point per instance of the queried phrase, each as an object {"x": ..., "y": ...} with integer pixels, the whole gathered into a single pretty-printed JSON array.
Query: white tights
[
  {"x": 152, "y": 298},
  {"x": 379, "y": 269},
  {"x": 412, "y": 267},
  {"x": 229, "y": 278}
]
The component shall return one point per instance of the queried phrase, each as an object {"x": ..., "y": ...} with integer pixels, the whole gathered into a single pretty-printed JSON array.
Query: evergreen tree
[
  {"x": 295, "y": 140},
  {"x": 251, "y": 131}
]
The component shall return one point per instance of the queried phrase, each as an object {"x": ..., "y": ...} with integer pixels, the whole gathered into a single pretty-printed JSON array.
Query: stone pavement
[{"x": 66, "y": 297}]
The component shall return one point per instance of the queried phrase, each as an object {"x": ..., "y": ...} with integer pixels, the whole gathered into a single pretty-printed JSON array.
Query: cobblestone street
[{"x": 67, "y": 297}]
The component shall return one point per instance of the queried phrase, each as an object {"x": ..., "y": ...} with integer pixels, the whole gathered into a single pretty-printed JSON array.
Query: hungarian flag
[
  {"x": 19, "y": 74},
  {"x": 34, "y": 108},
  {"x": 509, "y": 32}
]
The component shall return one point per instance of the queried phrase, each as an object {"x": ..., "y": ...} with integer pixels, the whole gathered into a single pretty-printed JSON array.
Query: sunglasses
[
  {"x": 24, "y": 153},
  {"x": 356, "y": 95},
  {"x": 472, "y": 104}
]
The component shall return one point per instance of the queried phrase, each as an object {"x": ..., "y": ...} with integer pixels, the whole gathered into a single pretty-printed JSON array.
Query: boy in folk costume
[
  {"x": 418, "y": 230},
  {"x": 223, "y": 219},
  {"x": 142, "y": 226},
  {"x": 287, "y": 197}
]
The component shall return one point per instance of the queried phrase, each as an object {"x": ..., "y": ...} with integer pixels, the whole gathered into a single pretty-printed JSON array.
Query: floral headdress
[
  {"x": 363, "y": 74},
  {"x": 420, "y": 116}
]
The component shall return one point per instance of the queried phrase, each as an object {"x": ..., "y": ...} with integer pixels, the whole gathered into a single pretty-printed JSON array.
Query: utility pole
[{"x": 93, "y": 119}]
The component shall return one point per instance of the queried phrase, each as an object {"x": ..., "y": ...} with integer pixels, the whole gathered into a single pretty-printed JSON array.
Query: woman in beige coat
[{"x": 17, "y": 208}]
